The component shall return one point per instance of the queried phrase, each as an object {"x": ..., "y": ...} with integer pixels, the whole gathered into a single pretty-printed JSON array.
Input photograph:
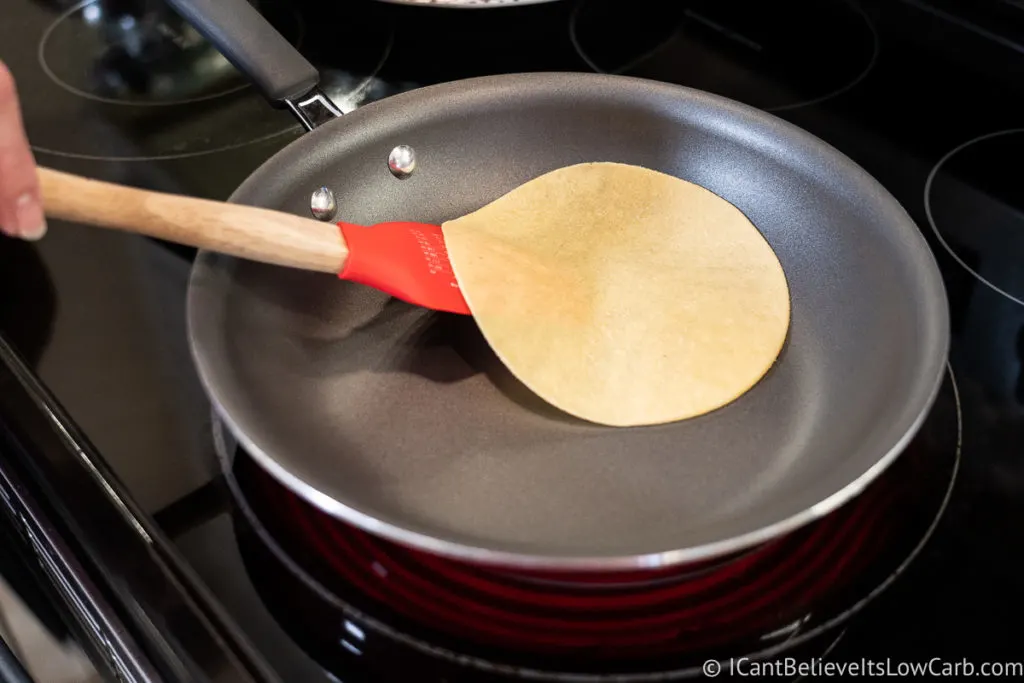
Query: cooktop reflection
[
  {"x": 355, "y": 602},
  {"x": 772, "y": 55},
  {"x": 145, "y": 86}
]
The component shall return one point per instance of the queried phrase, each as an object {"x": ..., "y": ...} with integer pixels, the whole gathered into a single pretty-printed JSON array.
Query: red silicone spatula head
[{"x": 407, "y": 260}]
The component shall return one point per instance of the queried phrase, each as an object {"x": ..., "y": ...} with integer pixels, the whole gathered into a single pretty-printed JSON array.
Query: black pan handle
[{"x": 254, "y": 47}]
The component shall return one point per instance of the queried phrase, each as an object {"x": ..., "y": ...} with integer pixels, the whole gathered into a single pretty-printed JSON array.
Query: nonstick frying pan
[{"x": 401, "y": 421}]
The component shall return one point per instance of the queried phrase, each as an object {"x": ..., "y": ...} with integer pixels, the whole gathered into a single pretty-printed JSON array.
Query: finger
[{"x": 21, "y": 212}]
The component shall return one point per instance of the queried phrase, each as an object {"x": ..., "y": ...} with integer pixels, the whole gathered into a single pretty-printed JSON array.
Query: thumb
[{"x": 21, "y": 211}]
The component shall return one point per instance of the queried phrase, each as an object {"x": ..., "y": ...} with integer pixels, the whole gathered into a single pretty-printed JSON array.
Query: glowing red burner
[{"x": 609, "y": 615}]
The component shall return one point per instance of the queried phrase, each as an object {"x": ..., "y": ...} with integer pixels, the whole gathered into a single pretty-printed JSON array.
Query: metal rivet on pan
[
  {"x": 402, "y": 161},
  {"x": 322, "y": 204}
]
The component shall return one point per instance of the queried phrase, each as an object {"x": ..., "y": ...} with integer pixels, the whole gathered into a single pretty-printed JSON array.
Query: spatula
[{"x": 406, "y": 260}]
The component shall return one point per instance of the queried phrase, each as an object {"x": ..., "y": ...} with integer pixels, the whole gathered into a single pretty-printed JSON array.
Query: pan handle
[{"x": 255, "y": 48}]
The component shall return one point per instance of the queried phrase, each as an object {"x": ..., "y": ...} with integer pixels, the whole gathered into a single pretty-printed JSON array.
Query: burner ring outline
[{"x": 931, "y": 218}]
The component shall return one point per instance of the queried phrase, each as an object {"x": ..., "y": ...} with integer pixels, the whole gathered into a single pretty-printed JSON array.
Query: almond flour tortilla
[{"x": 620, "y": 295}]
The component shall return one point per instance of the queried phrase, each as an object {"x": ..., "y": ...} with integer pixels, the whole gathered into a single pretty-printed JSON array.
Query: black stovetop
[{"x": 925, "y": 94}]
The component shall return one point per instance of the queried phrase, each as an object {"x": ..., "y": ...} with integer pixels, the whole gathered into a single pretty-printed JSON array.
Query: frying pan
[{"x": 402, "y": 422}]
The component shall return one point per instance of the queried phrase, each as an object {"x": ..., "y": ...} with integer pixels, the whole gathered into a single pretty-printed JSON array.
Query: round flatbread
[{"x": 621, "y": 295}]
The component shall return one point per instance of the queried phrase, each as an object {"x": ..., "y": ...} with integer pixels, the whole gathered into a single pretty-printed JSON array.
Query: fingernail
[{"x": 31, "y": 224}]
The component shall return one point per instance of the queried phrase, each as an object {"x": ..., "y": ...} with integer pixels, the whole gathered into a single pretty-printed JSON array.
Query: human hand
[{"x": 21, "y": 210}]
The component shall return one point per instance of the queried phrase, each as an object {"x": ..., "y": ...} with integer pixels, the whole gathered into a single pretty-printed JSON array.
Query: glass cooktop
[{"x": 925, "y": 563}]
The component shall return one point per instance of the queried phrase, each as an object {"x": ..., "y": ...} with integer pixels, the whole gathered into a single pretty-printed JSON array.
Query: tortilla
[{"x": 620, "y": 295}]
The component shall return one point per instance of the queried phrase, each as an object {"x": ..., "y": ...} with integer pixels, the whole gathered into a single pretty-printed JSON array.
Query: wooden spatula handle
[{"x": 244, "y": 231}]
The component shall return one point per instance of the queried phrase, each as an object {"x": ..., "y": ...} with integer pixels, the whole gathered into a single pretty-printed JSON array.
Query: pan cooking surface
[
  {"x": 402, "y": 421},
  {"x": 424, "y": 421}
]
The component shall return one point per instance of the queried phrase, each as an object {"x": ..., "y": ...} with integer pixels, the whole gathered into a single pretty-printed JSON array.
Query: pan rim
[{"x": 926, "y": 389}]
